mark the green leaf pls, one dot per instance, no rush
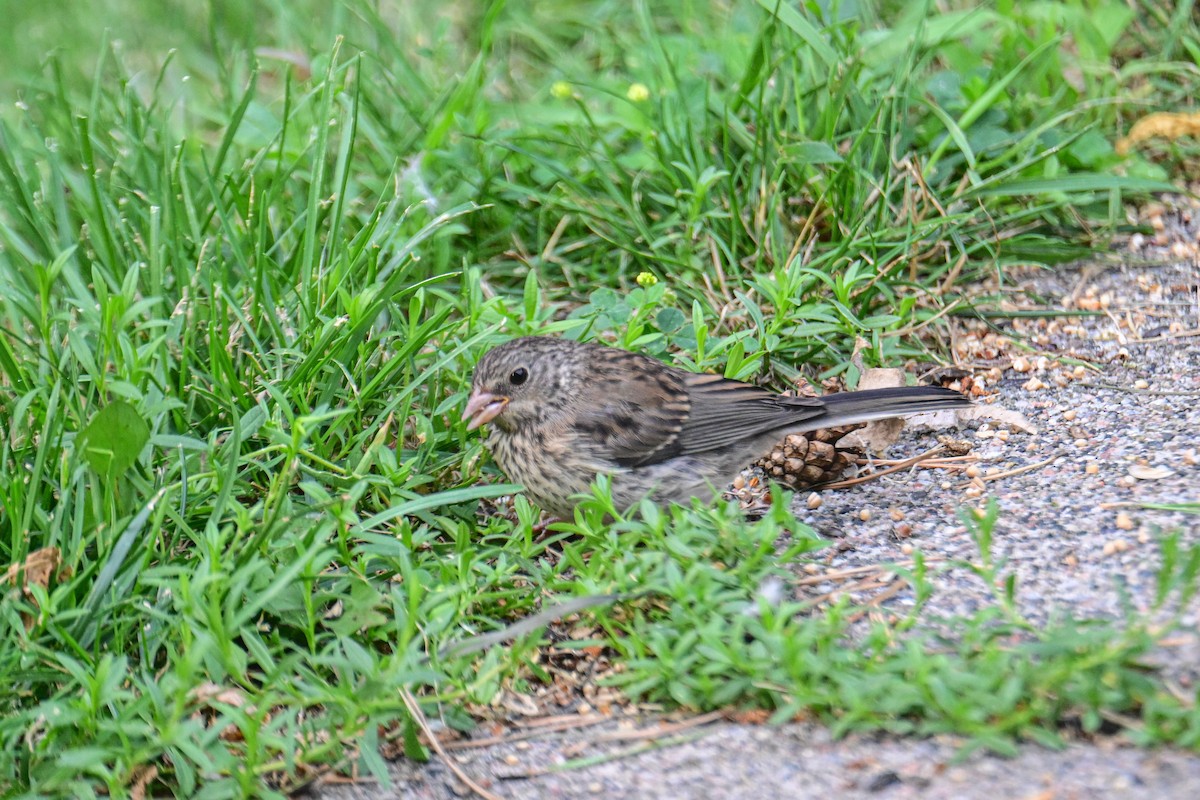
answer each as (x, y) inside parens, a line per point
(113, 439)
(799, 25)
(604, 298)
(1077, 182)
(812, 153)
(412, 741)
(669, 320)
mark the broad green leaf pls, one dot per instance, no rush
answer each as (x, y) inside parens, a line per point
(113, 439)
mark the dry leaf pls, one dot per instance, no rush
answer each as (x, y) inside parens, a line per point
(1145, 473)
(1164, 124)
(230, 696)
(208, 693)
(38, 567)
(877, 436)
(517, 703)
(874, 437)
(140, 780)
(881, 378)
(36, 570)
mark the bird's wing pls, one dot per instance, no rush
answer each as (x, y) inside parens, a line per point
(725, 412)
(641, 412)
(636, 408)
(644, 413)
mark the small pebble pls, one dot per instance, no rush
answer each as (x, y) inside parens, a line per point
(814, 501)
(1070, 414)
(1124, 521)
(1092, 468)
(1115, 546)
(1141, 383)
(865, 515)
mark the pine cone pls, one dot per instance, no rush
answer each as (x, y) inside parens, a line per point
(805, 459)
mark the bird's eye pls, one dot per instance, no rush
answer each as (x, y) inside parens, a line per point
(518, 376)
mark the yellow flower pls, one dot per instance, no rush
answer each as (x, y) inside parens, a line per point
(561, 90)
(638, 92)
(646, 279)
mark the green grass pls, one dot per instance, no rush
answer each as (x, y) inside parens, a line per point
(240, 298)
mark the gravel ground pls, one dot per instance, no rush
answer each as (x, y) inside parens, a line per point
(1139, 415)
(798, 761)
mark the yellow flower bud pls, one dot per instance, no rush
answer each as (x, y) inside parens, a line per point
(638, 93)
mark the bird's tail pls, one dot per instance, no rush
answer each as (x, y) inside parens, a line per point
(851, 408)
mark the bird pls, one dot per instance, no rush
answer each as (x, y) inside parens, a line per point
(562, 412)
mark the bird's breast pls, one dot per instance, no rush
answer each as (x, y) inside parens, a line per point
(548, 466)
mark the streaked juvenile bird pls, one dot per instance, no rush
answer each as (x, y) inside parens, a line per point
(563, 412)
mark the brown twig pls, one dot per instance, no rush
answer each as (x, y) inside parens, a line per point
(850, 572)
(1166, 337)
(661, 730)
(1008, 473)
(901, 465)
(878, 600)
(862, 586)
(949, 462)
(536, 728)
(414, 708)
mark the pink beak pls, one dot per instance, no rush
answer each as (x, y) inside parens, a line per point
(482, 408)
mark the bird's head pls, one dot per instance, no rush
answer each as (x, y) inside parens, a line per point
(523, 382)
